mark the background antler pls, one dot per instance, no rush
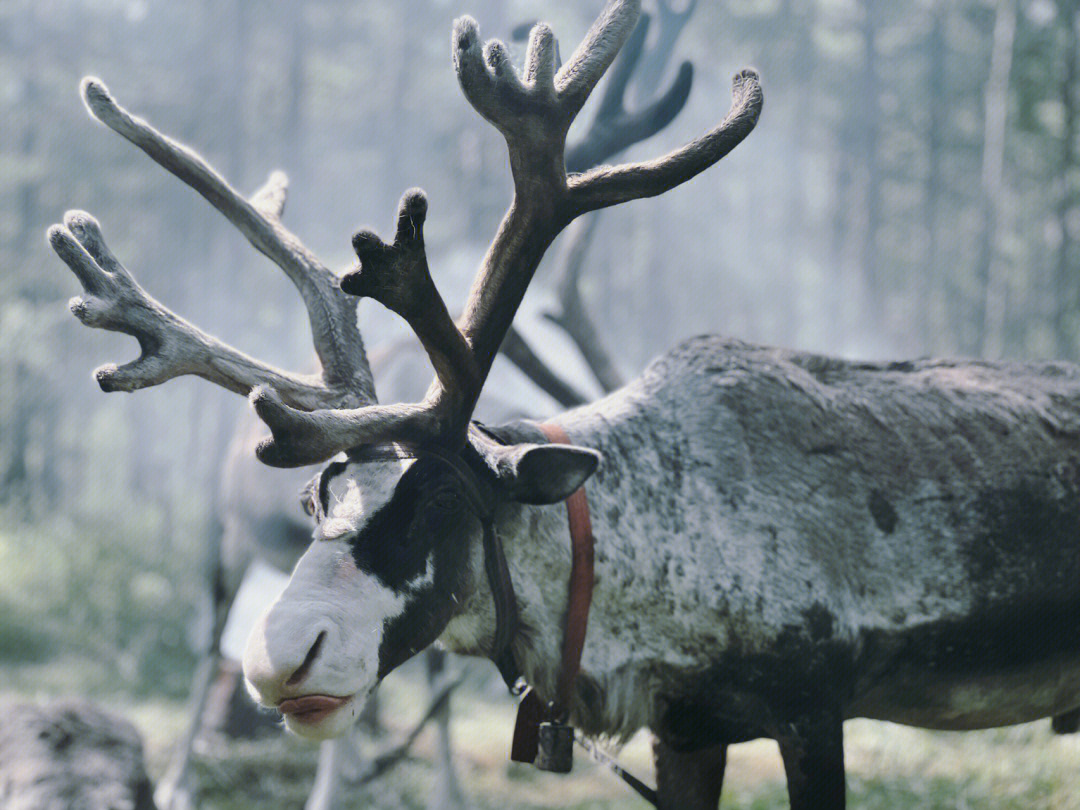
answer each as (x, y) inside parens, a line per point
(171, 346)
(533, 111)
(614, 129)
(611, 130)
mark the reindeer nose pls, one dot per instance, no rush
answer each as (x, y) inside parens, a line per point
(280, 654)
(305, 667)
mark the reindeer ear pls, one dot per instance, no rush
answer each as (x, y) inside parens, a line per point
(540, 473)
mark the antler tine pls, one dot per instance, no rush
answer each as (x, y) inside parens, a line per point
(597, 51)
(670, 24)
(611, 102)
(299, 438)
(613, 129)
(332, 315)
(270, 199)
(397, 276)
(606, 185)
(170, 345)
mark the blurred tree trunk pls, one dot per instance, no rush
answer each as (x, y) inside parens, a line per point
(1064, 290)
(990, 304)
(799, 16)
(870, 109)
(13, 476)
(933, 312)
(841, 285)
(294, 149)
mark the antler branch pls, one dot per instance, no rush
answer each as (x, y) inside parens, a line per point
(613, 129)
(577, 78)
(670, 24)
(606, 186)
(572, 316)
(397, 276)
(533, 110)
(332, 315)
(518, 351)
(534, 117)
(171, 346)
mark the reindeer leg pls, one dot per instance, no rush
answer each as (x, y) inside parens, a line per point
(447, 794)
(813, 752)
(174, 791)
(689, 781)
(1066, 722)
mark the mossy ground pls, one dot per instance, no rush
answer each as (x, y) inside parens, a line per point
(81, 616)
(1020, 768)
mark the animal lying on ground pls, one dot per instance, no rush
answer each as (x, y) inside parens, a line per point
(783, 540)
(70, 755)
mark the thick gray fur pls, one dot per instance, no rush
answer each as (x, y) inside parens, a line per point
(785, 541)
(745, 487)
(70, 755)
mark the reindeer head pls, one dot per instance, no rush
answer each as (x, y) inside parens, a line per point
(397, 554)
(401, 519)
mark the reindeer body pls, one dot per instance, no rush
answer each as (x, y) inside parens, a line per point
(778, 531)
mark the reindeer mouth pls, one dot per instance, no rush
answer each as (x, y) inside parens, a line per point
(312, 709)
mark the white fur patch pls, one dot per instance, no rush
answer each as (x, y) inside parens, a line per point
(328, 595)
(357, 492)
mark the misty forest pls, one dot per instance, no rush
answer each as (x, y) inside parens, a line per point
(912, 189)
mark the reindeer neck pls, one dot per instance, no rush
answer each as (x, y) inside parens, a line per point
(537, 547)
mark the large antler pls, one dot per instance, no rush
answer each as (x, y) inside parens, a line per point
(533, 111)
(614, 128)
(611, 130)
(170, 345)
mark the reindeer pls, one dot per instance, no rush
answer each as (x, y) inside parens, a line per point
(70, 755)
(783, 540)
(258, 514)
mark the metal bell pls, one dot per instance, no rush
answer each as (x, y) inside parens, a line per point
(556, 747)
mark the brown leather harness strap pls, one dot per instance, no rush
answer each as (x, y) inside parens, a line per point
(531, 710)
(581, 586)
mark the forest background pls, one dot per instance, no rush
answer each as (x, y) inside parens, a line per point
(913, 188)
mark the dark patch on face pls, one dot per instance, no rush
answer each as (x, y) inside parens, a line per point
(427, 611)
(882, 512)
(427, 517)
(396, 541)
(333, 469)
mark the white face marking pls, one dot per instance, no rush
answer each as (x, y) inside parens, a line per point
(327, 594)
(358, 492)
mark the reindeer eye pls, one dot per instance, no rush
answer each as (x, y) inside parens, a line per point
(308, 505)
(445, 499)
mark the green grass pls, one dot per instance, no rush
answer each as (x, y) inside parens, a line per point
(889, 767)
(89, 607)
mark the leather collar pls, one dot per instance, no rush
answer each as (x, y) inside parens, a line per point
(581, 587)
